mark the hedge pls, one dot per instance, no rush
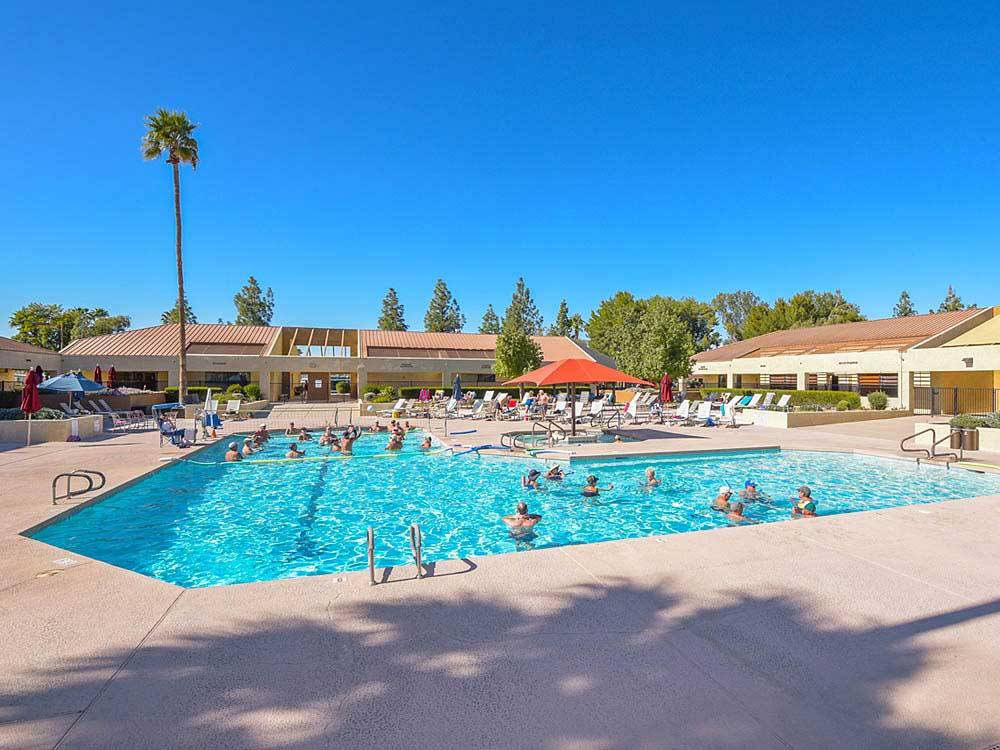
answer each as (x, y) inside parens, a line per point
(45, 413)
(803, 398)
(10, 399)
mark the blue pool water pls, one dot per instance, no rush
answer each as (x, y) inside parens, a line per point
(205, 525)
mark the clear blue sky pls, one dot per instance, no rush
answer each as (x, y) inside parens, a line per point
(677, 149)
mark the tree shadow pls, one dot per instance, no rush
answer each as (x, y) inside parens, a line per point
(609, 666)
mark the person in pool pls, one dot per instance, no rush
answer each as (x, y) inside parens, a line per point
(376, 427)
(555, 474)
(395, 442)
(735, 514)
(260, 436)
(248, 449)
(530, 482)
(294, 452)
(290, 430)
(751, 494)
(721, 501)
(327, 437)
(592, 490)
(335, 446)
(233, 454)
(522, 522)
(407, 426)
(805, 505)
(304, 434)
(426, 445)
(651, 480)
(347, 443)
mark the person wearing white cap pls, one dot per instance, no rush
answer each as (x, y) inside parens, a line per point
(248, 447)
(233, 454)
(721, 501)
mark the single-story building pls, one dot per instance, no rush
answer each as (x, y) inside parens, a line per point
(16, 358)
(941, 363)
(299, 362)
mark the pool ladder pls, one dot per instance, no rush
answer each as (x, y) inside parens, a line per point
(85, 474)
(416, 548)
(925, 454)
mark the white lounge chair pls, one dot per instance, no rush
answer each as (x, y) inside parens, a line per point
(488, 396)
(754, 400)
(704, 413)
(783, 402)
(681, 413)
(233, 407)
(766, 403)
(473, 411)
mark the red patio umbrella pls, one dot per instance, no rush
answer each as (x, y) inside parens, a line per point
(666, 389)
(112, 377)
(573, 372)
(97, 375)
(30, 401)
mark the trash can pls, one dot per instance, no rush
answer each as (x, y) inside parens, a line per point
(971, 439)
(956, 438)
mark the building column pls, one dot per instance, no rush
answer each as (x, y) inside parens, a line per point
(173, 377)
(264, 381)
(362, 379)
(447, 379)
(800, 381)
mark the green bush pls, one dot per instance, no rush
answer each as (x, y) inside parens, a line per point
(44, 413)
(371, 388)
(252, 392)
(194, 390)
(802, 399)
(842, 405)
(878, 400)
(969, 421)
(235, 388)
(343, 386)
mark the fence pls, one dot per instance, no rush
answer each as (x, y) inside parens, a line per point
(951, 401)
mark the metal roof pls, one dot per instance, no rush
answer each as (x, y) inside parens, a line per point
(553, 347)
(160, 341)
(10, 345)
(888, 333)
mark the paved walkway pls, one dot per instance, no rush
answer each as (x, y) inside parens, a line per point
(868, 630)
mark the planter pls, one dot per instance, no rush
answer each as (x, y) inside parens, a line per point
(50, 430)
(792, 419)
(989, 439)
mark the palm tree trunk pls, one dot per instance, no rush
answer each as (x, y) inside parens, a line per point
(182, 366)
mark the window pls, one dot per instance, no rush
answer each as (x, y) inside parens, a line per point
(888, 383)
(145, 381)
(784, 382)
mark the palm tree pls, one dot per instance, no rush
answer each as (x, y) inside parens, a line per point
(170, 133)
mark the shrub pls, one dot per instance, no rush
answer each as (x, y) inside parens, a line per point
(842, 405)
(252, 392)
(235, 388)
(44, 413)
(802, 399)
(371, 388)
(878, 400)
(993, 420)
(969, 421)
(343, 386)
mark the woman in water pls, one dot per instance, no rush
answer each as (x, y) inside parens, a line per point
(555, 474)
(327, 437)
(651, 480)
(294, 452)
(290, 430)
(592, 490)
(805, 505)
(721, 501)
(426, 445)
(248, 447)
(233, 454)
(530, 482)
(304, 434)
(522, 522)
(395, 442)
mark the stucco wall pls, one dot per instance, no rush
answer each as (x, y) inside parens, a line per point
(791, 419)
(50, 430)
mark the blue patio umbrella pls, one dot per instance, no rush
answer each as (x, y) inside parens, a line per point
(456, 389)
(70, 382)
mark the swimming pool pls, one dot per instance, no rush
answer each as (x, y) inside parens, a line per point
(206, 524)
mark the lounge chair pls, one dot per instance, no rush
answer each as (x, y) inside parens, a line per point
(70, 412)
(233, 408)
(729, 410)
(783, 402)
(488, 396)
(766, 403)
(596, 410)
(703, 416)
(681, 413)
(752, 403)
(473, 411)
(450, 409)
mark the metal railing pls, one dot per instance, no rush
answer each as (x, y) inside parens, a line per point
(932, 453)
(85, 474)
(416, 547)
(951, 401)
(371, 555)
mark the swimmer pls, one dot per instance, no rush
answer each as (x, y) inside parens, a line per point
(426, 445)
(750, 493)
(721, 501)
(521, 522)
(651, 480)
(395, 443)
(294, 452)
(248, 447)
(805, 505)
(347, 444)
(735, 514)
(327, 437)
(304, 434)
(335, 446)
(375, 427)
(233, 454)
(555, 474)
(290, 430)
(407, 426)
(592, 490)
(531, 481)
(260, 436)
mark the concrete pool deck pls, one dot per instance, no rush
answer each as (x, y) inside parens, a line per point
(865, 630)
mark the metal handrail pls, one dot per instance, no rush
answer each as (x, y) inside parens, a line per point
(950, 454)
(914, 436)
(416, 547)
(371, 554)
(104, 479)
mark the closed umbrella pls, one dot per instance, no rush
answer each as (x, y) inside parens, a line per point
(30, 402)
(112, 377)
(97, 375)
(666, 389)
(456, 389)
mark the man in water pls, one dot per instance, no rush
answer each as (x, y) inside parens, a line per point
(651, 480)
(294, 452)
(304, 434)
(426, 445)
(248, 447)
(290, 430)
(805, 505)
(750, 493)
(592, 490)
(327, 437)
(395, 442)
(522, 522)
(530, 482)
(735, 514)
(721, 501)
(347, 443)
(233, 454)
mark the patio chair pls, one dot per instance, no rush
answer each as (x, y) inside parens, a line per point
(233, 408)
(752, 403)
(766, 403)
(729, 410)
(488, 396)
(703, 416)
(783, 402)
(72, 412)
(473, 411)
(597, 410)
(681, 413)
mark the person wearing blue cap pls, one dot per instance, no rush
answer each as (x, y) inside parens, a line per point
(749, 491)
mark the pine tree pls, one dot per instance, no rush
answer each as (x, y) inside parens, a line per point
(253, 307)
(490, 322)
(562, 325)
(529, 318)
(391, 318)
(952, 302)
(172, 316)
(904, 308)
(443, 314)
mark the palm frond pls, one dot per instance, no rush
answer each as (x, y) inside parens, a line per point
(170, 132)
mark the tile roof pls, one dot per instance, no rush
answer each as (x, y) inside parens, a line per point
(894, 333)
(553, 347)
(10, 345)
(159, 341)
